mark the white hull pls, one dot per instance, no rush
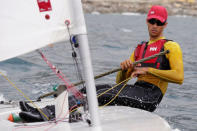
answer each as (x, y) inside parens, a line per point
(116, 118)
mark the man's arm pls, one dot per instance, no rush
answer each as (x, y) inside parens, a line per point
(127, 68)
(176, 73)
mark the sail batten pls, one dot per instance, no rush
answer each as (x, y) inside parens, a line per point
(27, 25)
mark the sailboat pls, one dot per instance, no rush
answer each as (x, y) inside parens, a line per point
(27, 25)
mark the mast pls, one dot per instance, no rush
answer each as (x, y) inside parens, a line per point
(82, 40)
(89, 79)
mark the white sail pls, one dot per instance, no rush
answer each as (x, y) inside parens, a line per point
(27, 25)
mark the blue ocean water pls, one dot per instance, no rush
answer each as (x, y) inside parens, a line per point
(112, 37)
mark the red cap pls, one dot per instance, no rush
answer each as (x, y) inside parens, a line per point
(158, 12)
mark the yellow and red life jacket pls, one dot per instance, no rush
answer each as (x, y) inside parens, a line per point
(144, 50)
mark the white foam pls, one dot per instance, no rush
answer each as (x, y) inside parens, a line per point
(130, 13)
(2, 97)
(3, 72)
(182, 16)
(126, 30)
(95, 13)
(176, 130)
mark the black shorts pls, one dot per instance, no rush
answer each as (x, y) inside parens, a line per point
(141, 95)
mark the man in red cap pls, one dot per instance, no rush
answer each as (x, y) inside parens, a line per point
(153, 75)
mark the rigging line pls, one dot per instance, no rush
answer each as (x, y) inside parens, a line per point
(58, 117)
(62, 77)
(78, 70)
(55, 121)
(74, 55)
(116, 94)
(125, 81)
(24, 95)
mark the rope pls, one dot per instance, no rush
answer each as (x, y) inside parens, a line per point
(126, 80)
(125, 83)
(117, 93)
(23, 95)
(62, 77)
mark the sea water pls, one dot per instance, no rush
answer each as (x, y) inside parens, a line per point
(112, 38)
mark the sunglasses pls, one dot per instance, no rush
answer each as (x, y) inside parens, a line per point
(155, 21)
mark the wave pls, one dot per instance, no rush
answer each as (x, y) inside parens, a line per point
(95, 13)
(17, 64)
(176, 129)
(16, 61)
(126, 30)
(2, 97)
(182, 16)
(3, 72)
(131, 13)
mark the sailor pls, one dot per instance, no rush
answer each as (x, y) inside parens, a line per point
(153, 75)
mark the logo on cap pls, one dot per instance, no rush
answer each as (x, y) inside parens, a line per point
(152, 12)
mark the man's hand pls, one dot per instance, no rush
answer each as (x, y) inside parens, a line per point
(125, 65)
(139, 71)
